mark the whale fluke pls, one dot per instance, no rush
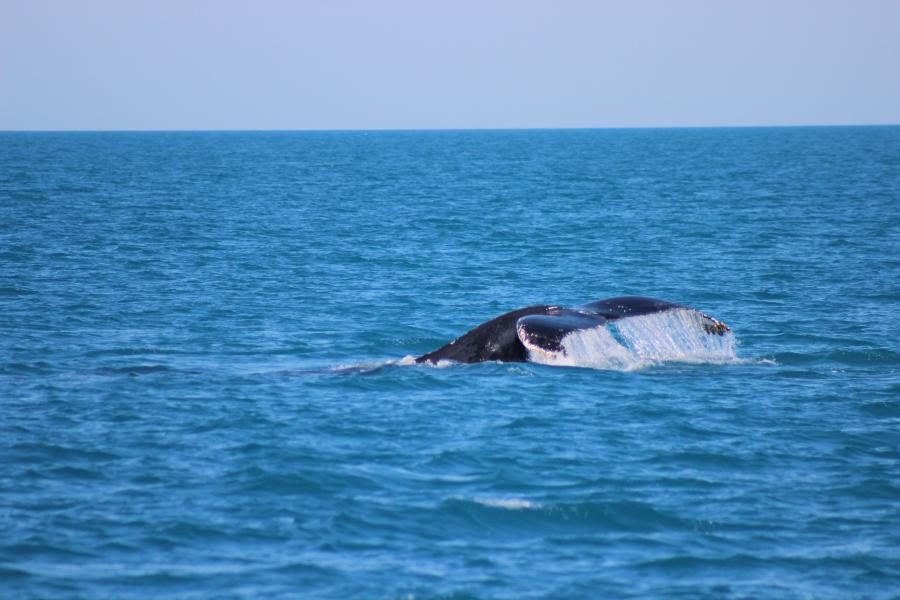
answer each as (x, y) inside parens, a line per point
(511, 337)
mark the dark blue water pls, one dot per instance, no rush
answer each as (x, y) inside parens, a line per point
(199, 399)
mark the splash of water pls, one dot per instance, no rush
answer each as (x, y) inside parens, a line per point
(679, 335)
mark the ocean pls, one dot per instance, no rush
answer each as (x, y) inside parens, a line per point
(206, 388)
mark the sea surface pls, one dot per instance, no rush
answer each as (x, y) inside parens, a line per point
(205, 388)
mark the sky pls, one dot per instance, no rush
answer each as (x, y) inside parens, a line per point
(417, 64)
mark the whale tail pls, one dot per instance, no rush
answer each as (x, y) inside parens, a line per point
(674, 333)
(627, 329)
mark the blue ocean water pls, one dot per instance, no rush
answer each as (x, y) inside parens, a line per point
(202, 393)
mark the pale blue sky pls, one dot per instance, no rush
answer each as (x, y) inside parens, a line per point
(333, 64)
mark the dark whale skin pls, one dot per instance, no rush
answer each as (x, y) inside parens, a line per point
(545, 326)
(494, 340)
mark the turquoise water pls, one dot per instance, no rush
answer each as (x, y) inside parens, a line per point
(203, 393)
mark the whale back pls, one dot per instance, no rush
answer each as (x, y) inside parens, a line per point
(493, 340)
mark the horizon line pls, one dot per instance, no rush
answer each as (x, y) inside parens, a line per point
(448, 129)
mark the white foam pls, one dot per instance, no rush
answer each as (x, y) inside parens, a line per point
(510, 503)
(363, 367)
(634, 342)
(410, 360)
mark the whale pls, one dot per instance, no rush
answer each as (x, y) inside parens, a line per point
(519, 335)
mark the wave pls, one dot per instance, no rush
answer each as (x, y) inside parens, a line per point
(507, 503)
